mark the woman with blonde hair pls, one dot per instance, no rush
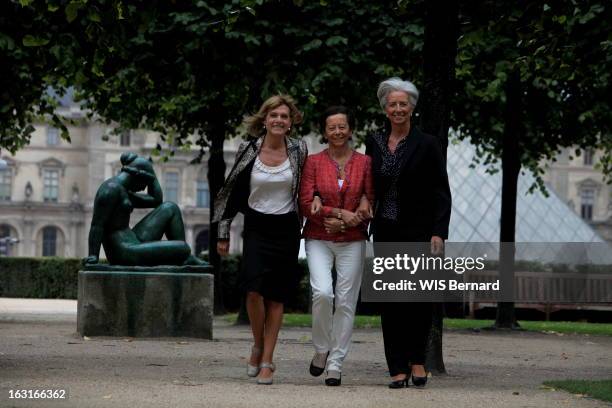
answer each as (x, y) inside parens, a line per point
(263, 185)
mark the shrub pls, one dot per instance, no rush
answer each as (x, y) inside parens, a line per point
(51, 278)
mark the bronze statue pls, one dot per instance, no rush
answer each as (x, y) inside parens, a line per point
(115, 200)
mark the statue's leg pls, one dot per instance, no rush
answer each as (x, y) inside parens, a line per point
(159, 253)
(123, 248)
(165, 219)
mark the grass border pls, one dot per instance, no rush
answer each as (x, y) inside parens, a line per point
(366, 322)
(599, 389)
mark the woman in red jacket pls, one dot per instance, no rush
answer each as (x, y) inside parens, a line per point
(335, 185)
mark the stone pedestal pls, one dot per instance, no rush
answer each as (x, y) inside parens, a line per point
(145, 302)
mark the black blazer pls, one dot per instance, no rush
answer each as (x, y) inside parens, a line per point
(423, 191)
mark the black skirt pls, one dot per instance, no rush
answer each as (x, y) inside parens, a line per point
(271, 244)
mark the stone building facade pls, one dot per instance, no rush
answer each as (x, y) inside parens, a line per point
(47, 190)
(576, 179)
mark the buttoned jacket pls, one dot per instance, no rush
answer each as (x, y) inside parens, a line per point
(233, 196)
(321, 176)
(423, 193)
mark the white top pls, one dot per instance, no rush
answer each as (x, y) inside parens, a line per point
(340, 184)
(271, 188)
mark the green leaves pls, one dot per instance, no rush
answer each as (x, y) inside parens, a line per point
(316, 43)
(72, 9)
(32, 41)
(335, 40)
(6, 42)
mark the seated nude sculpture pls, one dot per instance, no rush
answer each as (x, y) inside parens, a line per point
(142, 245)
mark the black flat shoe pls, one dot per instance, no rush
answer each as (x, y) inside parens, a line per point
(419, 382)
(317, 371)
(399, 384)
(333, 381)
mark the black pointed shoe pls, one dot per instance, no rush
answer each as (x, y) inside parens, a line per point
(419, 382)
(334, 378)
(399, 384)
(316, 371)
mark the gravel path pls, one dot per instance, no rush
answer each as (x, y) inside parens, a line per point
(485, 369)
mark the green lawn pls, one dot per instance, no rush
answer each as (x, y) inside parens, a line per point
(304, 320)
(597, 389)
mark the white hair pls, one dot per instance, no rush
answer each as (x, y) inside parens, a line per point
(396, 84)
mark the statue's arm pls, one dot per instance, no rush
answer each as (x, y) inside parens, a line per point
(152, 199)
(104, 205)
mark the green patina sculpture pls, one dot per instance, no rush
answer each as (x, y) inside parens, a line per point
(142, 245)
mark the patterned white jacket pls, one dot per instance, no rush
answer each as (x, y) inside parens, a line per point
(228, 201)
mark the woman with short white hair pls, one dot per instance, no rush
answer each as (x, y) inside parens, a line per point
(413, 204)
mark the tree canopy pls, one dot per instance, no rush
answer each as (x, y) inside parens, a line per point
(556, 57)
(173, 67)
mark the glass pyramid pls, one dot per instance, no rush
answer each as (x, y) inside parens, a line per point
(477, 206)
(547, 230)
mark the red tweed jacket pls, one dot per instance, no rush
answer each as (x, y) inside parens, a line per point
(320, 175)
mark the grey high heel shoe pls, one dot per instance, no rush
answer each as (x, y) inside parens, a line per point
(266, 381)
(252, 370)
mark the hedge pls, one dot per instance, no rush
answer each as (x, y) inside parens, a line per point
(48, 277)
(57, 278)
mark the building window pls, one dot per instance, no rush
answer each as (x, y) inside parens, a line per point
(202, 194)
(171, 186)
(587, 200)
(5, 185)
(50, 185)
(124, 138)
(201, 243)
(588, 157)
(53, 136)
(49, 241)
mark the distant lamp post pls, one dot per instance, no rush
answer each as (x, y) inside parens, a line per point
(5, 242)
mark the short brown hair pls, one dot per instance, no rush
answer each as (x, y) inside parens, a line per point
(254, 123)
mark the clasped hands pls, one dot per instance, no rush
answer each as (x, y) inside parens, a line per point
(334, 225)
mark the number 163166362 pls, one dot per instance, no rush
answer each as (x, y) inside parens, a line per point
(29, 393)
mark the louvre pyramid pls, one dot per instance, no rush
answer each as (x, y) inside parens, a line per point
(477, 206)
(547, 230)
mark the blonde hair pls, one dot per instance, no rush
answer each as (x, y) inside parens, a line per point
(255, 123)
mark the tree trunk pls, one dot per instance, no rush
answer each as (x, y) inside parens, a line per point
(511, 167)
(440, 51)
(216, 178)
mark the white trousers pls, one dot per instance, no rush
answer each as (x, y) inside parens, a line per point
(332, 329)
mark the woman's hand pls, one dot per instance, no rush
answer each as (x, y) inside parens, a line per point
(350, 218)
(223, 247)
(333, 225)
(365, 208)
(316, 205)
(437, 245)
